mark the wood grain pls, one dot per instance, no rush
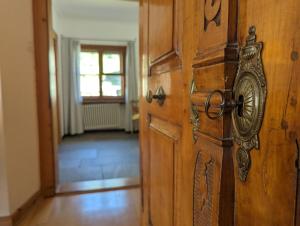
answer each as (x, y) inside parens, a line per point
(119, 208)
(144, 117)
(161, 28)
(212, 32)
(294, 109)
(46, 127)
(97, 186)
(206, 47)
(271, 185)
(160, 126)
(162, 189)
(214, 44)
(5, 221)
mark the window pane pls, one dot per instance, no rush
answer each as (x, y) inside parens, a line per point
(89, 85)
(111, 63)
(89, 63)
(112, 85)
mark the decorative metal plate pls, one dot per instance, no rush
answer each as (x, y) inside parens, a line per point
(250, 90)
(195, 120)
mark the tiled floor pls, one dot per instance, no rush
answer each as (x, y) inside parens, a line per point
(96, 156)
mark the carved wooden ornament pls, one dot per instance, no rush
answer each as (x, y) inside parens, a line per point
(212, 13)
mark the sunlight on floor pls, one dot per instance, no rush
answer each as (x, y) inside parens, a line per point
(114, 208)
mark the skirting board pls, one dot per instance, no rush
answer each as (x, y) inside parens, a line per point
(18, 215)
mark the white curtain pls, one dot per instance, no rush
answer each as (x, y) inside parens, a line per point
(131, 85)
(72, 100)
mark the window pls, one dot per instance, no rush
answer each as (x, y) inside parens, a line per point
(102, 73)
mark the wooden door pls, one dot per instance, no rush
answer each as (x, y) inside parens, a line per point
(161, 123)
(227, 68)
(270, 189)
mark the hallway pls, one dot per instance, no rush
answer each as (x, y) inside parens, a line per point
(114, 208)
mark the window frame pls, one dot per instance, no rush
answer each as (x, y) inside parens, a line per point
(102, 49)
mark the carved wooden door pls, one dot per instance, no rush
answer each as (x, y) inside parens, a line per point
(161, 108)
(219, 112)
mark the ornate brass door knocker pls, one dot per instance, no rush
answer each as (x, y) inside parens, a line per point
(247, 103)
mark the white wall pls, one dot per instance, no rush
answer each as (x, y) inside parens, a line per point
(93, 31)
(87, 29)
(19, 106)
(109, 20)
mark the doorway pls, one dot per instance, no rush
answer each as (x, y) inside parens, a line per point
(94, 95)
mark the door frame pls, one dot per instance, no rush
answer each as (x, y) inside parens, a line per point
(41, 21)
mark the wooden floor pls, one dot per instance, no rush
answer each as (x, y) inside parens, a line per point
(113, 208)
(98, 185)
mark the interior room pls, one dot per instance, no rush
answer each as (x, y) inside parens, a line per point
(149, 113)
(96, 83)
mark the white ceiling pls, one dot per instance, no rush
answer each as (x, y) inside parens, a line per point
(109, 10)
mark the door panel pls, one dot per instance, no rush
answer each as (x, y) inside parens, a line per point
(171, 82)
(161, 15)
(160, 122)
(214, 23)
(210, 77)
(162, 173)
(161, 180)
(207, 185)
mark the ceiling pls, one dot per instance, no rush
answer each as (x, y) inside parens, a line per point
(109, 10)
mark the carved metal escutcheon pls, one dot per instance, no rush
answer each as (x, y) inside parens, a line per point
(244, 162)
(247, 104)
(195, 120)
(249, 89)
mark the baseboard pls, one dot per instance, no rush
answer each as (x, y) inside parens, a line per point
(19, 214)
(48, 192)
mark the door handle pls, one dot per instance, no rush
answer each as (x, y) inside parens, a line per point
(159, 96)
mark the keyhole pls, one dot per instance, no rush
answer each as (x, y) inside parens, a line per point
(240, 106)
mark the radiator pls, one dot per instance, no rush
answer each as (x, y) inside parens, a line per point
(102, 116)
